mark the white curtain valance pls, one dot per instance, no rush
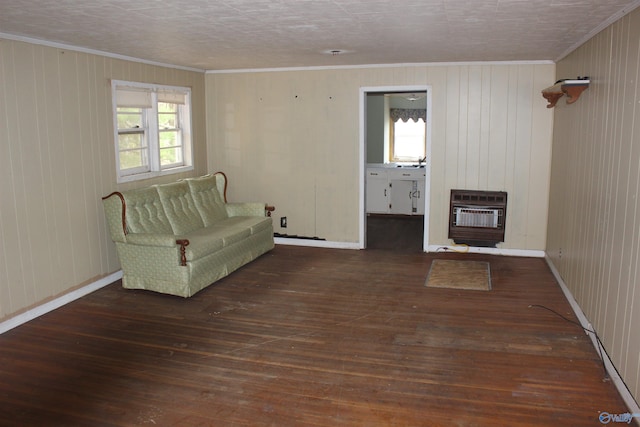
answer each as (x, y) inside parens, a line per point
(405, 114)
(133, 97)
(141, 97)
(172, 96)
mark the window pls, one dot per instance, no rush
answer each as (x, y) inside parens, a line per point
(408, 141)
(152, 130)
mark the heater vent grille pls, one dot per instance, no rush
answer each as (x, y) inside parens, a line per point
(477, 217)
(474, 217)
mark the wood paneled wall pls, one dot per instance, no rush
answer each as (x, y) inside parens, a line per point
(292, 138)
(594, 221)
(57, 160)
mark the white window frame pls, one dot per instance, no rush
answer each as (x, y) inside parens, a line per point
(152, 131)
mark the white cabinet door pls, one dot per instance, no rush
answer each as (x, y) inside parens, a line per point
(377, 194)
(401, 197)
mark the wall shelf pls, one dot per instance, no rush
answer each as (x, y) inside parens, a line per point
(571, 88)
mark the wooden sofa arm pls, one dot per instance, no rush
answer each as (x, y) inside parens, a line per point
(183, 249)
(223, 190)
(124, 209)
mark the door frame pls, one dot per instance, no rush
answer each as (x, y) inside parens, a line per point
(363, 156)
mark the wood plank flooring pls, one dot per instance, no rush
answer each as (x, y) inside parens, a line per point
(312, 337)
(403, 233)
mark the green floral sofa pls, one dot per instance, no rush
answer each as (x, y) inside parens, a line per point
(179, 238)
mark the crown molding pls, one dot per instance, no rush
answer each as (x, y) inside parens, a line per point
(409, 64)
(607, 22)
(94, 52)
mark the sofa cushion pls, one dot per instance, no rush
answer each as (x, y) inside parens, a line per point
(255, 223)
(144, 212)
(225, 233)
(207, 240)
(207, 199)
(202, 242)
(180, 208)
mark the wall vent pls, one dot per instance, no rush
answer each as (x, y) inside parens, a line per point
(477, 218)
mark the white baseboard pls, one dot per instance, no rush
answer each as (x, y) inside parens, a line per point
(315, 243)
(490, 251)
(58, 302)
(628, 398)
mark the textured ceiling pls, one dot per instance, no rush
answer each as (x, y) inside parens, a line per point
(241, 34)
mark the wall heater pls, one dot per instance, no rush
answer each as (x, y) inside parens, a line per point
(477, 218)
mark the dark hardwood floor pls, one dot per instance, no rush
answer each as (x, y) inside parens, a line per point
(400, 233)
(312, 337)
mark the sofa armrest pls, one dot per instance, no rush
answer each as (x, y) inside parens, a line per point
(152, 239)
(160, 240)
(248, 209)
(114, 209)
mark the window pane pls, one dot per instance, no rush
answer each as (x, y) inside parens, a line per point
(130, 141)
(129, 118)
(167, 107)
(167, 121)
(169, 139)
(133, 159)
(171, 156)
(409, 140)
(167, 115)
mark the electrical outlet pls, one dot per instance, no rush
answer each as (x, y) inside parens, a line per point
(283, 221)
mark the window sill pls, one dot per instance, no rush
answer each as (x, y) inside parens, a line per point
(155, 174)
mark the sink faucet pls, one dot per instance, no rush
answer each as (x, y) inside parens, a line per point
(422, 160)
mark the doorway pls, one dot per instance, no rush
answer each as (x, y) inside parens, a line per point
(374, 151)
